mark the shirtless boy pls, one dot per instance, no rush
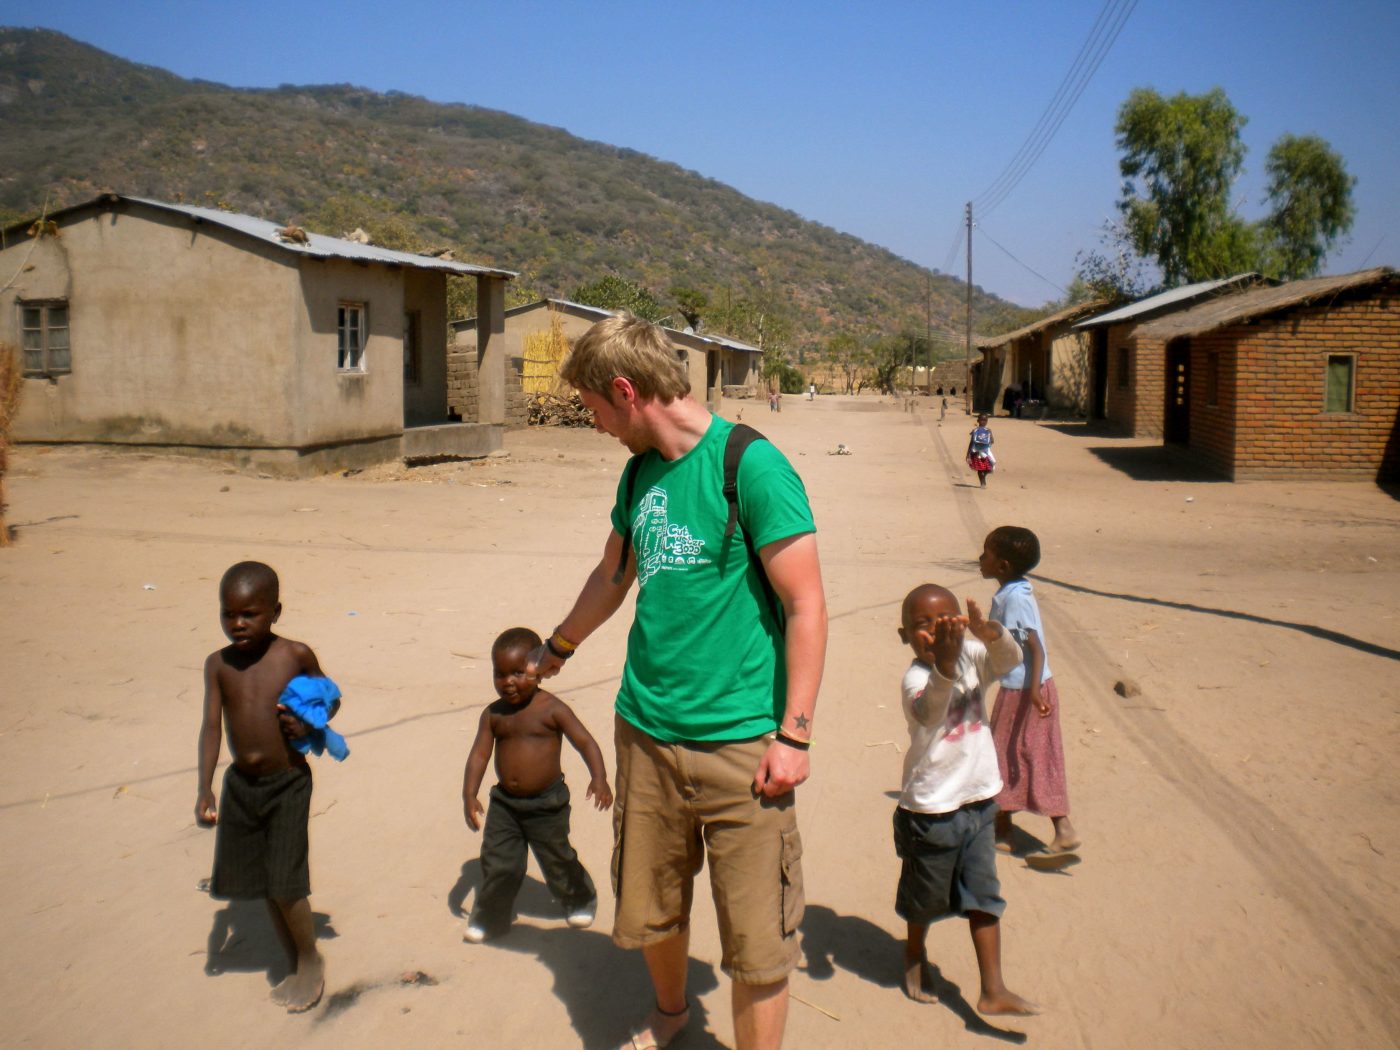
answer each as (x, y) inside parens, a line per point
(530, 802)
(260, 847)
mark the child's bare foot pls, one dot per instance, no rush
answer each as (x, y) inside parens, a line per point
(1066, 840)
(1003, 831)
(303, 989)
(1006, 1002)
(918, 982)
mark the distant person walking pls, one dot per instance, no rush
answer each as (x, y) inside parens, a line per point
(979, 450)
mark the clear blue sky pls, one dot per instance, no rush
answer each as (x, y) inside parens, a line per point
(879, 120)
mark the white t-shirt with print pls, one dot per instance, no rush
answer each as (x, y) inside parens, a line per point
(951, 759)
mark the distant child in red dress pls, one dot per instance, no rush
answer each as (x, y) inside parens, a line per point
(1026, 718)
(979, 450)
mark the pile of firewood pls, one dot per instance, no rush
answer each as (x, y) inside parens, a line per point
(552, 410)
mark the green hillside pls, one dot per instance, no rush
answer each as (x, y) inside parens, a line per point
(416, 174)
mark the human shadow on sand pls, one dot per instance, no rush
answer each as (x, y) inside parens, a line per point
(830, 940)
(604, 988)
(1326, 634)
(243, 939)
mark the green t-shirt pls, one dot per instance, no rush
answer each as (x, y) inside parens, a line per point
(704, 656)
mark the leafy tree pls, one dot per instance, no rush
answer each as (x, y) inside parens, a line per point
(1180, 157)
(1310, 194)
(617, 293)
(849, 358)
(691, 303)
(1113, 271)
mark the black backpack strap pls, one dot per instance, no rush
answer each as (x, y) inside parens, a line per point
(629, 490)
(740, 438)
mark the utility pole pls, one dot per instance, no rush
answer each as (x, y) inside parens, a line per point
(967, 388)
(928, 329)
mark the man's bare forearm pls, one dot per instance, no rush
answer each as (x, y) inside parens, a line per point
(805, 652)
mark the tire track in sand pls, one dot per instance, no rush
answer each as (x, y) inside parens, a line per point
(1362, 943)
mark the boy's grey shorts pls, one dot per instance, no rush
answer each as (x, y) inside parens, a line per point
(950, 865)
(260, 841)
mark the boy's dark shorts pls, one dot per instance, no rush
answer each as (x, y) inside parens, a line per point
(950, 865)
(260, 845)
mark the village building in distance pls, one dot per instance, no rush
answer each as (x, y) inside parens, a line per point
(163, 325)
(1250, 378)
(538, 333)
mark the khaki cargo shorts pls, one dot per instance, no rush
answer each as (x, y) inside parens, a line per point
(678, 803)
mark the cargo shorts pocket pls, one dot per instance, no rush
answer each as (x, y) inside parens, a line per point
(794, 895)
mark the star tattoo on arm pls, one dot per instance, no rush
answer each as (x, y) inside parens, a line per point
(801, 722)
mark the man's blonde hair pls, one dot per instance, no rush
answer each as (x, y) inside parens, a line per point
(628, 347)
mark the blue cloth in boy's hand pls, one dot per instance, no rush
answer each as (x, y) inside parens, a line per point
(312, 700)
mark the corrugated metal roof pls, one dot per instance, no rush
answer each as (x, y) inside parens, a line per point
(1259, 301)
(1069, 313)
(1166, 300)
(728, 344)
(601, 312)
(318, 245)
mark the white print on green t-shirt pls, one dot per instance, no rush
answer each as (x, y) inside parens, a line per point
(662, 546)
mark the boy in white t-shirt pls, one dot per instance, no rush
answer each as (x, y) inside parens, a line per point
(943, 826)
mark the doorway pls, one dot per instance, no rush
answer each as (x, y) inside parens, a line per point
(1177, 425)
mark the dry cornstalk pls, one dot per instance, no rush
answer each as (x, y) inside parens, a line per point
(11, 382)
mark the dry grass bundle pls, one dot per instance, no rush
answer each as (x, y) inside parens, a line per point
(539, 370)
(11, 379)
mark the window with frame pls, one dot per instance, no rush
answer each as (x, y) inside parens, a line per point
(350, 337)
(1340, 395)
(44, 337)
(1213, 378)
(1122, 368)
(412, 348)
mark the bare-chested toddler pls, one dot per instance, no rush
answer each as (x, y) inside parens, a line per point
(260, 846)
(530, 801)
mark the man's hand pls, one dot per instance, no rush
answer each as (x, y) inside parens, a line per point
(292, 726)
(781, 770)
(471, 808)
(205, 813)
(600, 793)
(542, 663)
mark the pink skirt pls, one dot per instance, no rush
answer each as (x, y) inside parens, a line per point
(1030, 754)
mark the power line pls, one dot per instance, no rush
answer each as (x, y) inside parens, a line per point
(1109, 24)
(954, 252)
(984, 233)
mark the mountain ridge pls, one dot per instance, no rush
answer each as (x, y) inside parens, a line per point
(499, 189)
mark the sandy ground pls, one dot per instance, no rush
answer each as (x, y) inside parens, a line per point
(1239, 881)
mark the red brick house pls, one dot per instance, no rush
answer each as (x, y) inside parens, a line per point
(1127, 369)
(1300, 380)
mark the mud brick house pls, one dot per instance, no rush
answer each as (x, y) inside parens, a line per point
(167, 326)
(717, 366)
(1048, 358)
(1128, 387)
(1301, 380)
(733, 369)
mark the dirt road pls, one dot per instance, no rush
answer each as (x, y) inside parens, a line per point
(1241, 814)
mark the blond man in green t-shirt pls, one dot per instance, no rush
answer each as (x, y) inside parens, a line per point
(714, 714)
